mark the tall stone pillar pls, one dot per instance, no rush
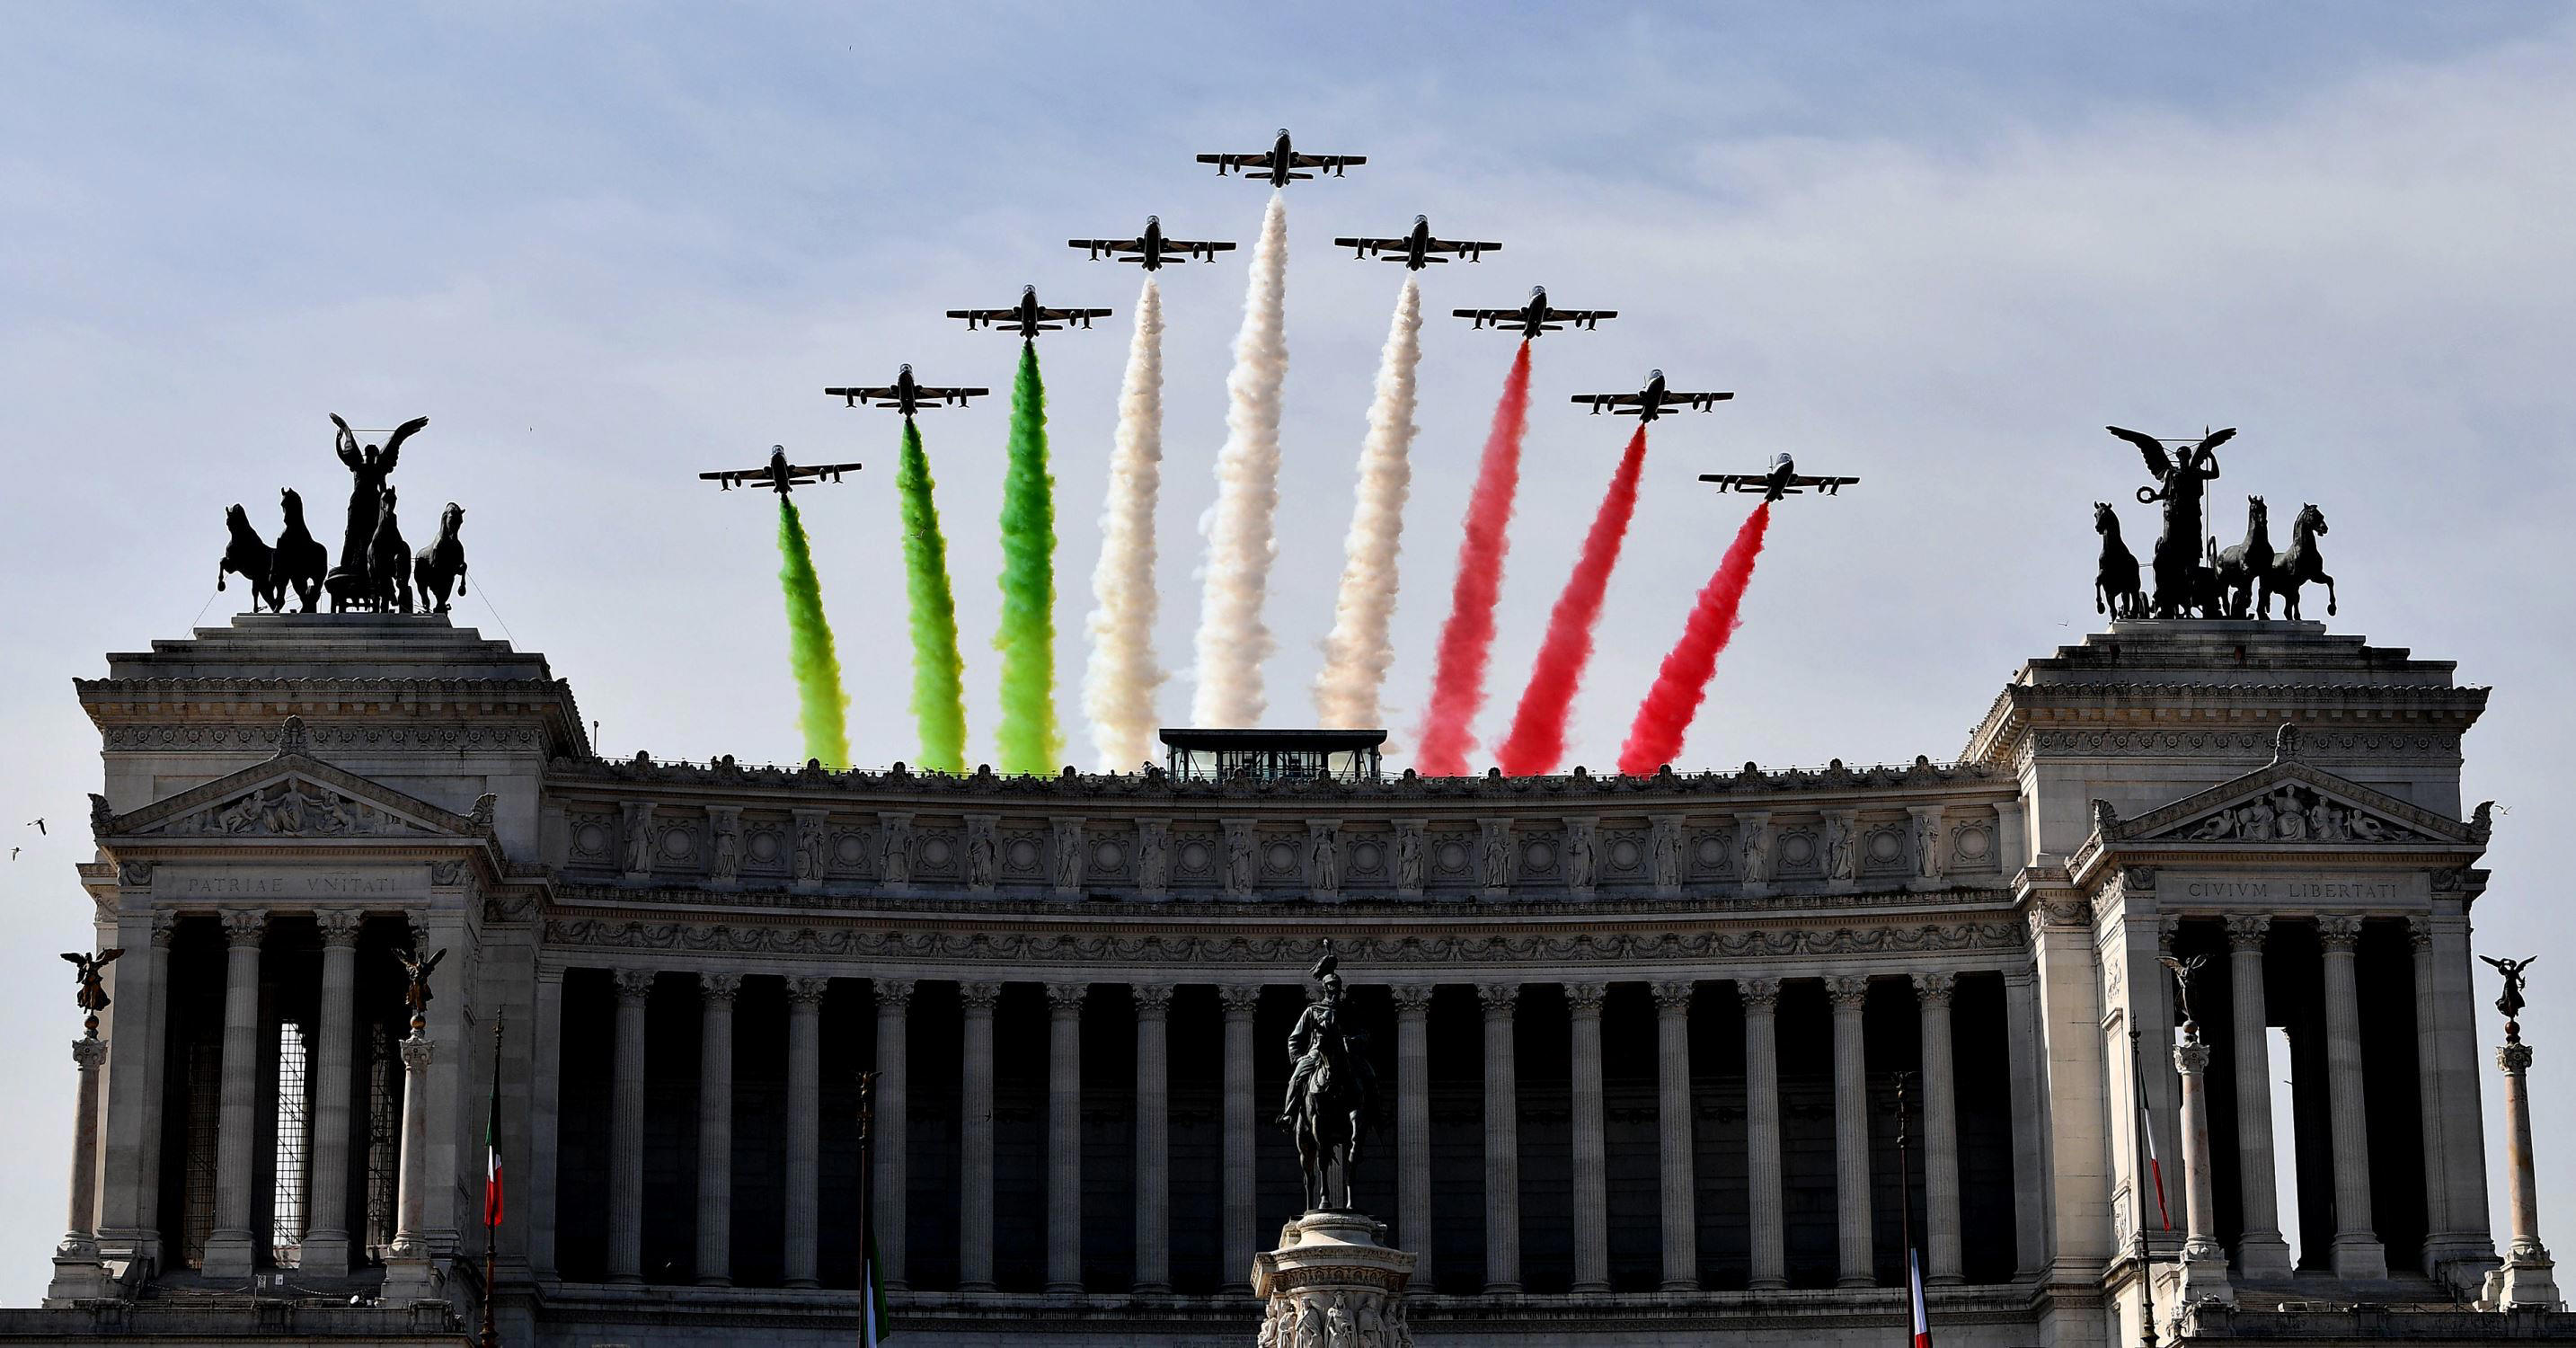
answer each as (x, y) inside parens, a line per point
(407, 1262)
(232, 1250)
(975, 1139)
(1940, 1131)
(1413, 1123)
(545, 1114)
(1674, 1138)
(715, 1128)
(1591, 1146)
(1064, 1137)
(626, 1131)
(326, 1242)
(2357, 1252)
(2204, 1261)
(804, 1128)
(1502, 1141)
(890, 1137)
(1239, 1003)
(2438, 1221)
(1153, 1138)
(2529, 1276)
(1763, 1210)
(78, 1274)
(2029, 1122)
(130, 1183)
(2261, 1252)
(1857, 1264)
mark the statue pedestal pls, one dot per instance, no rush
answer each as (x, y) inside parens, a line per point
(1332, 1281)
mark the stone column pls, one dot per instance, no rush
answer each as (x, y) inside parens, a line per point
(1761, 997)
(78, 1274)
(626, 1131)
(1413, 1123)
(1240, 1243)
(2261, 1252)
(1673, 1117)
(1591, 1147)
(407, 1262)
(2528, 1277)
(2428, 1097)
(2204, 1262)
(326, 1243)
(545, 1106)
(1502, 1141)
(804, 1127)
(232, 1250)
(1064, 1137)
(2029, 1123)
(130, 1177)
(885, 1200)
(1940, 1131)
(1153, 1138)
(715, 1128)
(1857, 1266)
(2357, 1252)
(975, 1139)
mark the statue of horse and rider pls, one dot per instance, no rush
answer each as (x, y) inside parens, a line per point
(377, 570)
(1332, 1097)
(2193, 576)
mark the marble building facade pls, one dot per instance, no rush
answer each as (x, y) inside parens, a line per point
(1639, 1035)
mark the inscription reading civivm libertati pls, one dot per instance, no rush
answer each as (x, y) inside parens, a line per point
(2308, 891)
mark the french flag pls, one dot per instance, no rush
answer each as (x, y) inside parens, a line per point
(1914, 1300)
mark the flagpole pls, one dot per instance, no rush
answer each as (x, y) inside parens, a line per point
(867, 1235)
(2141, 1144)
(491, 1333)
(1905, 1206)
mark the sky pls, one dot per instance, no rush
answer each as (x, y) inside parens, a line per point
(1936, 246)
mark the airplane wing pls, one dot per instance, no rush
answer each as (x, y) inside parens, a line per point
(1370, 245)
(1108, 245)
(1467, 248)
(819, 470)
(1737, 481)
(862, 395)
(1485, 316)
(1828, 485)
(1198, 245)
(1581, 318)
(1073, 315)
(1227, 161)
(1335, 162)
(1701, 401)
(736, 476)
(948, 394)
(1613, 401)
(984, 315)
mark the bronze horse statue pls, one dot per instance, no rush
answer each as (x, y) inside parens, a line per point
(388, 562)
(248, 556)
(301, 559)
(2245, 571)
(441, 565)
(1332, 1093)
(2302, 564)
(2116, 590)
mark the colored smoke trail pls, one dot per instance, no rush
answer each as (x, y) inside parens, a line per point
(938, 700)
(1118, 686)
(1536, 743)
(821, 707)
(1467, 638)
(1232, 640)
(1360, 648)
(1656, 735)
(1028, 740)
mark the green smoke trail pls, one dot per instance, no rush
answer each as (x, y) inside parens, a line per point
(938, 700)
(1028, 740)
(820, 704)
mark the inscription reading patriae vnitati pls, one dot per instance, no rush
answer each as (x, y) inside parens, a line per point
(2310, 891)
(280, 886)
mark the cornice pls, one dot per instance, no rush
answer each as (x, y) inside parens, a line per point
(2023, 708)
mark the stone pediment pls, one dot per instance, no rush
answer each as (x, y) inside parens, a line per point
(292, 795)
(2290, 802)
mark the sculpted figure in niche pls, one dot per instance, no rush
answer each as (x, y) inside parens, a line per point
(1310, 1327)
(980, 857)
(1838, 848)
(1498, 855)
(1238, 858)
(1578, 856)
(1668, 854)
(639, 841)
(1927, 847)
(898, 850)
(1153, 857)
(1324, 858)
(1408, 857)
(1068, 856)
(1753, 853)
(1339, 1332)
(725, 860)
(809, 849)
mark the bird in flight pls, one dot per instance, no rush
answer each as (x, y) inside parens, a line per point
(37, 823)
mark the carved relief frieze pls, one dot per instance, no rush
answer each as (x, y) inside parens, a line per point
(2293, 813)
(294, 808)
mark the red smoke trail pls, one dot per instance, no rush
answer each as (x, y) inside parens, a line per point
(1537, 741)
(1656, 735)
(1467, 639)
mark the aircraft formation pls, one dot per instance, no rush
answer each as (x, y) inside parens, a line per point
(1416, 249)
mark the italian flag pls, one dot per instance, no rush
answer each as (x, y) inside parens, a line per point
(2147, 1130)
(492, 1157)
(1922, 1319)
(872, 1300)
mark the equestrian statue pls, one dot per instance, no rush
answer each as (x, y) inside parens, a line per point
(1332, 1091)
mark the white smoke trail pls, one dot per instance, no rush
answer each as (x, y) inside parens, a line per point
(1360, 648)
(1232, 640)
(1118, 686)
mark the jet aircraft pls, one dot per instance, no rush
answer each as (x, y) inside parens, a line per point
(1417, 248)
(1152, 248)
(906, 396)
(1028, 318)
(1782, 480)
(780, 475)
(1536, 317)
(1651, 401)
(1279, 163)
